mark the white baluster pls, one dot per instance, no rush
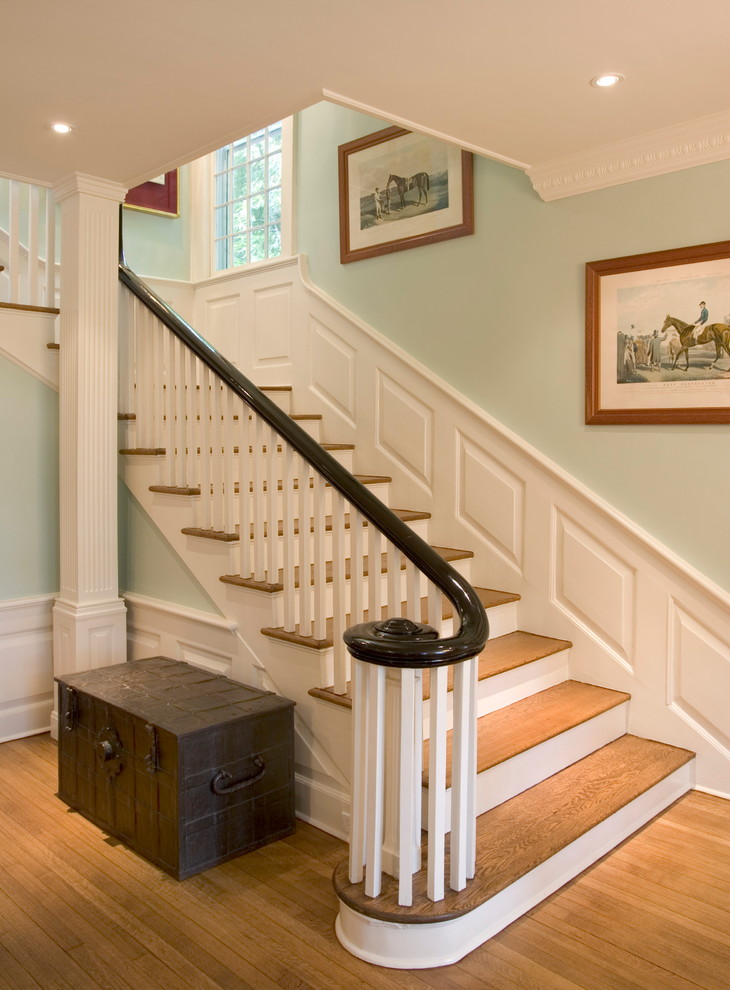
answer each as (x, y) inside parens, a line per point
(462, 784)
(409, 788)
(358, 809)
(14, 241)
(259, 503)
(339, 592)
(357, 579)
(437, 783)
(228, 459)
(33, 231)
(375, 542)
(375, 790)
(216, 464)
(413, 591)
(289, 540)
(206, 442)
(393, 558)
(51, 250)
(245, 475)
(272, 514)
(306, 548)
(192, 375)
(319, 577)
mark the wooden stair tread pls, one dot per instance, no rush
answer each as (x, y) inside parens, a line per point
(364, 479)
(28, 308)
(406, 515)
(522, 833)
(533, 648)
(516, 649)
(507, 732)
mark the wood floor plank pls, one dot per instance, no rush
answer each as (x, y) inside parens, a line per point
(269, 924)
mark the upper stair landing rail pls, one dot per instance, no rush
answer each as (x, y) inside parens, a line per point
(27, 241)
(304, 528)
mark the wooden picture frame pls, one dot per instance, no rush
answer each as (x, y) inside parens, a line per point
(156, 196)
(400, 190)
(645, 362)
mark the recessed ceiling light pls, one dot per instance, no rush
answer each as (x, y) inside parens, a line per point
(60, 128)
(607, 79)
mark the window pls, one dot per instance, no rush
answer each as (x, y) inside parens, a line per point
(249, 176)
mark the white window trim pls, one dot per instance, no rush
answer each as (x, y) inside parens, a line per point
(202, 261)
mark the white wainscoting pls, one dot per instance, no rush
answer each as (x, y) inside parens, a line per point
(163, 629)
(26, 666)
(641, 619)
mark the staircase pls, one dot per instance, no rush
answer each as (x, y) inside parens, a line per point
(520, 777)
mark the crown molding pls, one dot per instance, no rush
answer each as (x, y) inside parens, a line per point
(669, 149)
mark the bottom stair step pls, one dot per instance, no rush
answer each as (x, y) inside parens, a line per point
(527, 848)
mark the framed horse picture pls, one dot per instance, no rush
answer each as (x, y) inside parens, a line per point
(658, 337)
(399, 190)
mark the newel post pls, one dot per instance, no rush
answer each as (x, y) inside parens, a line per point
(387, 693)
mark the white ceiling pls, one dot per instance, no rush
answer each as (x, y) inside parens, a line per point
(149, 84)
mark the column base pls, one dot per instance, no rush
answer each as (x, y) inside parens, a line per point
(85, 637)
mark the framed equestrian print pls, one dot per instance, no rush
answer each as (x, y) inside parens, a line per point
(658, 337)
(159, 196)
(399, 190)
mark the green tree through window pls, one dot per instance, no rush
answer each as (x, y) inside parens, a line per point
(247, 199)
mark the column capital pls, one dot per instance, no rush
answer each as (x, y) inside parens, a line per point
(77, 183)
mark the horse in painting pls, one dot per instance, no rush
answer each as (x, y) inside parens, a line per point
(712, 333)
(419, 181)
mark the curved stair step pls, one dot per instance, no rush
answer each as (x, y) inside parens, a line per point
(527, 848)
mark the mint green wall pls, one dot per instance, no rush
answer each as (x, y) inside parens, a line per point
(500, 316)
(158, 245)
(29, 508)
(148, 565)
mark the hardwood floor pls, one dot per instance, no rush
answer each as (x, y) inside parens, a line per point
(78, 910)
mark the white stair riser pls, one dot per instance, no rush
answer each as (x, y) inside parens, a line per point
(424, 946)
(505, 780)
(511, 686)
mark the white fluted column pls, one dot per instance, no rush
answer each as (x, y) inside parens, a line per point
(89, 617)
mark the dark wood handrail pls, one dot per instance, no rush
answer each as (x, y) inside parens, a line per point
(397, 651)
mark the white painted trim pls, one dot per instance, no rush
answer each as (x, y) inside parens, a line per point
(667, 149)
(557, 474)
(180, 611)
(26, 666)
(346, 101)
(709, 790)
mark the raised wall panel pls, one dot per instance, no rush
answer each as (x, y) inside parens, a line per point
(26, 667)
(595, 587)
(698, 679)
(405, 429)
(220, 325)
(333, 368)
(272, 322)
(491, 500)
